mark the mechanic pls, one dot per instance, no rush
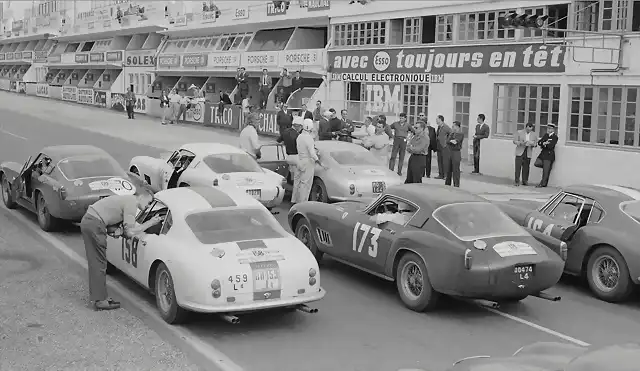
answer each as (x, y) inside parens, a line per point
(289, 137)
(102, 217)
(307, 159)
(419, 148)
(249, 141)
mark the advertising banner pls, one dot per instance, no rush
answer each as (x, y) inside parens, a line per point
(117, 102)
(268, 124)
(82, 58)
(96, 57)
(503, 58)
(22, 87)
(315, 5)
(169, 61)
(229, 117)
(70, 93)
(27, 55)
(195, 60)
(224, 60)
(100, 98)
(115, 56)
(40, 56)
(42, 90)
(145, 58)
(308, 57)
(277, 8)
(196, 112)
(141, 105)
(260, 59)
(85, 96)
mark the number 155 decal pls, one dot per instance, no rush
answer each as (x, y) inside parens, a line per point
(371, 233)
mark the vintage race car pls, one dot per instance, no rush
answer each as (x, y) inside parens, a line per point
(216, 252)
(601, 226)
(352, 172)
(211, 165)
(61, 182)
(432, 240)
(557, 357)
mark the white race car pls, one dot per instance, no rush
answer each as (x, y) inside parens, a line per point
(216, 252)
(211, 165)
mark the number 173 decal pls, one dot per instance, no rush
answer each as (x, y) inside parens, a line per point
(369, 232)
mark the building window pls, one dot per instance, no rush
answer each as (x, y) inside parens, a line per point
(462, 102)
(516, 105)
(412, 30)
(415, 100)
(360, 34)
(483, 26)
(444, 28)
(605, 115)
(603, 15)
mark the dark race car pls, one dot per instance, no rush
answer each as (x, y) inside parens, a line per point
(61, 182)
(558, 357)
(601, 226)
(432, 240)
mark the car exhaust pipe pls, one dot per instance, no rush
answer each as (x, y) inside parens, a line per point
(231, 319)
(545, 296)
(487, 303)
(306, 309)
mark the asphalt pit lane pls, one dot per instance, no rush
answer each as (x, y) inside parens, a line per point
(16, 263)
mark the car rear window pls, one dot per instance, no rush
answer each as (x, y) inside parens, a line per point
(475, 220)
(232, 163)
(632, 209)
(354, 158)
(220, 226)
(89, 166)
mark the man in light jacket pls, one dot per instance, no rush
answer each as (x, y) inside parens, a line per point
(525, 140)
(307, 159)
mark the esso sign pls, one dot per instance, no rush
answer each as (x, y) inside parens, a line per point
(141, 60)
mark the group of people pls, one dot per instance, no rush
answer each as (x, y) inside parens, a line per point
(175, 105)
(526, 140)
(289, 84)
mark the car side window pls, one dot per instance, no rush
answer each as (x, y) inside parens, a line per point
(271, 152)
(392, 210)
(596, 214)
(168, 223)
(159, 209)
(568, 209)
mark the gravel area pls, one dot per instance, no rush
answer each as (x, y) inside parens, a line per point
(46, 322)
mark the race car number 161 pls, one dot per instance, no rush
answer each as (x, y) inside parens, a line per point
(371, 233)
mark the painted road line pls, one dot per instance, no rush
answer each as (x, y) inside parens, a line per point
(203, 349)
(12, 134)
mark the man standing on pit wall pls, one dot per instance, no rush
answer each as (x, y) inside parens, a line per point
(401, 130)
(482, 132)
(418, 147)
(243, 85)
(286, 82)
(456, 137)
(264, 88)
(307, 159)
(442, 136)
(289, 137)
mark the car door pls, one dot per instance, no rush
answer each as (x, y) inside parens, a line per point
(557, 215)
(170, 167)
(579, 242)
(274, 159)
(19, 183)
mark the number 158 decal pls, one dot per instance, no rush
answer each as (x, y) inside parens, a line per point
(369, 231)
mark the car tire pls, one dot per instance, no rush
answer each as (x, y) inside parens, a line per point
(7, 199)
(166, 301)
(305, 235)
(318, 191)
(46, 221)
(419, 301)
(608, 261)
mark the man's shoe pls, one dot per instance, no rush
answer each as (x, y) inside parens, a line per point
(108, 304)
(525, 183)
(475, 172)
(516, 184)
(439, 177)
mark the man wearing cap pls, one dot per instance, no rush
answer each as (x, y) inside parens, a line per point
(249, 141)
(401, 130)
(307, 159)
(289, 137)
(548, 154)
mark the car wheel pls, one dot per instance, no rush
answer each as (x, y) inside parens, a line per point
(304, 234)
(608, 275)
(6, 193)
(166, 301)
(413, 284)
(318, 191)
(47, 222)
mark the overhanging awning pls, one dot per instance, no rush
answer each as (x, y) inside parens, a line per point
(111, 32)
(10, 40)
(86, 66)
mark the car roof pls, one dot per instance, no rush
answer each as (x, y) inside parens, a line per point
(432, 196)
(205, 149)
(183, 200)
(605, 192)
(65, 151)
(333, 145)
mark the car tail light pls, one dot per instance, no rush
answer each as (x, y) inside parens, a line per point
(215, 182)
(63, 193)
(312, 281)
(352, 189)
(312, 272)
(468, 259)
(564, 251)
(216, 287)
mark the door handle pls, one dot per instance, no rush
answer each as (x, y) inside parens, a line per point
(390, 230)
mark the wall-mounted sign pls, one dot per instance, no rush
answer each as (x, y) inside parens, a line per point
(85, 96)
(209, 17)
(309, 57)
(169, 61)
(82, 58)
(40, 56)
(225, 60)
(17, 55)
(96, 57)
(54, 59)
(260, 59)
(313, 5)
(42, 90)
(241, 13)
(100, 98)
(9, 56)
(194, 60)
(27, 55)
(180, 21)
(116, 56)
(140, 59)
(1, 56)
(70, 93)
(276, 8)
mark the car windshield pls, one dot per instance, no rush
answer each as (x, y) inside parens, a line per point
(632, 209)
(351, 158)
(220, 226)
(89, 166)
(473, 220)
(232, 163)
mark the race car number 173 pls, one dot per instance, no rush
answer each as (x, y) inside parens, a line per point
(369, 233)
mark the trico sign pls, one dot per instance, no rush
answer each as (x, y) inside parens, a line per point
(543, 58)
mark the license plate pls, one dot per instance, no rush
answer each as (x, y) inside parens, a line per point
(378, 187)
(524, 272)
(266, 279)
(257, 193)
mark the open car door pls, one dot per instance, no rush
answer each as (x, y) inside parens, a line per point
(274, 158)
(19, 182)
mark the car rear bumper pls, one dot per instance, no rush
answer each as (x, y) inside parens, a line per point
(254, 305)
(74, 209)
(270, 197)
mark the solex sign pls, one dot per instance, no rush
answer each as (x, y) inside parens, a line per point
(542, 58)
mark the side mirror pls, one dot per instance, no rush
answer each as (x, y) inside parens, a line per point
(568, 233)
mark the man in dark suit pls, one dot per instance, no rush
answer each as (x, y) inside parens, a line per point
(347, 127)
(482, 132)
(297, 82)
(284, 119)
(456, 137)
(433, 143)
(264, 87)
(548, 154)
(243, 85)
(305, 113)
(442, 136)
